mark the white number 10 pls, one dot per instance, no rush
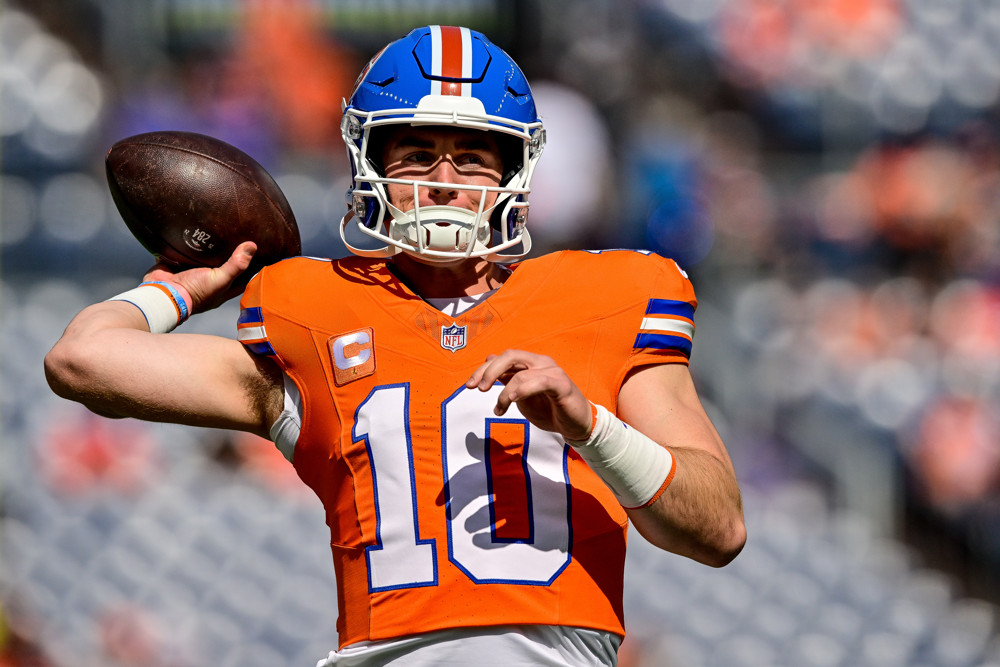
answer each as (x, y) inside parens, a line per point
(506, 491)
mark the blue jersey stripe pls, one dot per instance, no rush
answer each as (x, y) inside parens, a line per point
(670, 307)
(263, 348)
(251, 315)
(663, 342)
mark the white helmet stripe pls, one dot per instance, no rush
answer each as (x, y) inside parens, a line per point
(466, 62)
(435, 59)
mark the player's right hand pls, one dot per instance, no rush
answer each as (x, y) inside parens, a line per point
(207, 287)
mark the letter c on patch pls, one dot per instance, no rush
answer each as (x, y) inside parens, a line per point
(360, 341)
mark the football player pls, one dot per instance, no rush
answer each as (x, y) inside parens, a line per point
(480, 429)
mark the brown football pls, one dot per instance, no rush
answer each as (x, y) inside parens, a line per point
(190, 199)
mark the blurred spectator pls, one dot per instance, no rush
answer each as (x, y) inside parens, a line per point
(571, 199)
(253, 92)
(132, 637)
(82, 454)
(956, 454)
(256, 458)
(920, 203)
(303, 72)
(771, 42)
(665, 197)
(740, 198)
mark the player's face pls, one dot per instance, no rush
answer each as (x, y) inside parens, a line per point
(444, 155)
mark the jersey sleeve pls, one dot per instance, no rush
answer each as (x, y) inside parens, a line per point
(251, 330)
(665, 330)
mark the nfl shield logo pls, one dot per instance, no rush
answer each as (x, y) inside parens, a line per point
(453, 337)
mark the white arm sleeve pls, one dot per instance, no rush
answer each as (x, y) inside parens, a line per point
(285, 430)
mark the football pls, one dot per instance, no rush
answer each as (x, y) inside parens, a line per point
(190, 199)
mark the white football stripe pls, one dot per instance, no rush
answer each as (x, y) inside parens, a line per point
(251, 333)
(673, 326)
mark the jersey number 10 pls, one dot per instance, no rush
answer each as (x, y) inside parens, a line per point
(505, 488)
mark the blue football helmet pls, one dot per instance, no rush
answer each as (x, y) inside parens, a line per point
(454, 77)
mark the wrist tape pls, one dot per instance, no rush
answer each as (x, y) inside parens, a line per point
(162, 304)
(636, 468)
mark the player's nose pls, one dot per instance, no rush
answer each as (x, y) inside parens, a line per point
(443, 175)
(444, 171)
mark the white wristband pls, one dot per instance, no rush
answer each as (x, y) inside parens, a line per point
(635, 467)
(160, 303)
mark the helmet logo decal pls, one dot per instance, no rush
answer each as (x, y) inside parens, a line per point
(453, 337)
(451, 58)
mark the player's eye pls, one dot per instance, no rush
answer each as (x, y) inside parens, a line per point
(418, 157)
(476, 161)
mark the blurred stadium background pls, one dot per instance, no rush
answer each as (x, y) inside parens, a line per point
(826, 171)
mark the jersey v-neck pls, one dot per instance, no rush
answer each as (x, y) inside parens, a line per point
(455, 306)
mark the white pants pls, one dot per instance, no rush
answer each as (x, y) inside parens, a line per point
(503, 646)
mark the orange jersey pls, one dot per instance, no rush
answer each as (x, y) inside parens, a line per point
(442, 514)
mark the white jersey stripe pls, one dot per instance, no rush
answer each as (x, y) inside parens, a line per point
(251, 333)
(662, 324)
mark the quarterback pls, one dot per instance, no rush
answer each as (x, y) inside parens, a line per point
(480, 428)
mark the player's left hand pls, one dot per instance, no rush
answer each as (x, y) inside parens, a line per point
(542, 390)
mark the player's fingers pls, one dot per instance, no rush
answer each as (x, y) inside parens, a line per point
(162, 270)
(233, 267)
(496, 367)
(532, 383)
(239, 260)
(507, 364)
(529, 386)
(477, 375)
(522, 385)
(502, 404)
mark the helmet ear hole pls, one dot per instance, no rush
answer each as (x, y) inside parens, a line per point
(377, 138)
(498, 216)
(367, 209)
(511, 155)
(510, 218)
